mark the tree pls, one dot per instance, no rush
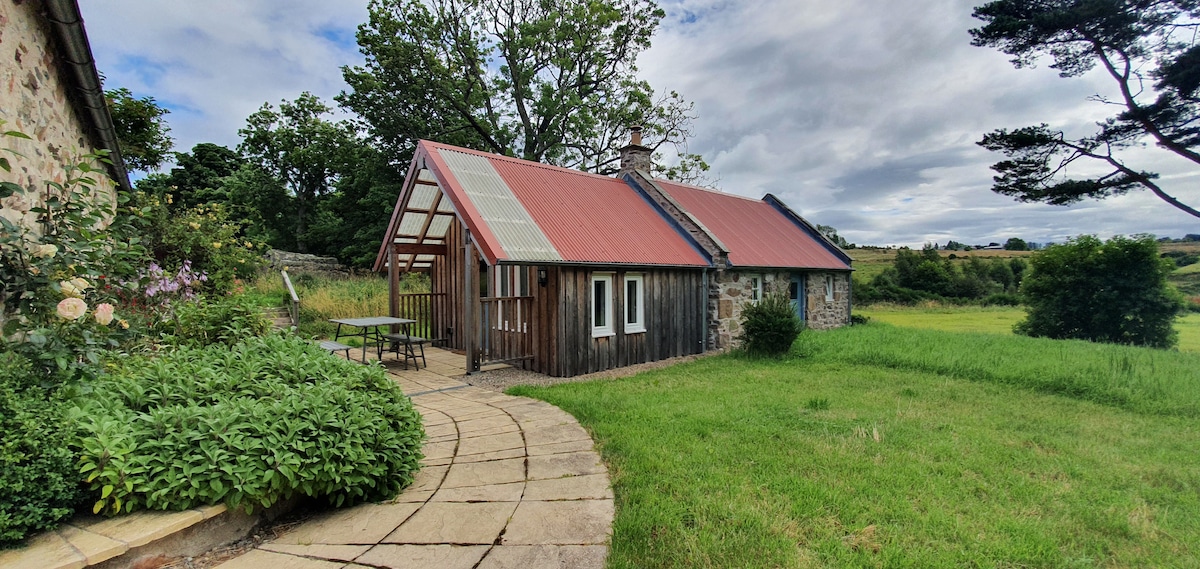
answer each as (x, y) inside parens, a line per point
(1016, 244)
(142, 133)
(350, 220)
(301, 149)
(551, 81)
(1147, 47)
(1104, 292)
(831, 233)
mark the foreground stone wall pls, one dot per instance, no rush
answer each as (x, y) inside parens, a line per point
(34, 100)
(730, 291)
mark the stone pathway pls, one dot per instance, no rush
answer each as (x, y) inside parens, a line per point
(507, 482)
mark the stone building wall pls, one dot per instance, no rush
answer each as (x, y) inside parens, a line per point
(822, 315)
(34, 100)
(729, 291)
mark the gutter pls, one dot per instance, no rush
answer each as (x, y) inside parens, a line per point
(66, 24)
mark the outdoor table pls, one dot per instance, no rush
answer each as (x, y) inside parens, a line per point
(370, 329)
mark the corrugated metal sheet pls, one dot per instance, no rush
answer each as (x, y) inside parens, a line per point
(756, 233)
(517, 232)
(595, 219)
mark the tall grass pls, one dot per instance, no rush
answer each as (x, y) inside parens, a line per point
(1138, 379)
(325, 297)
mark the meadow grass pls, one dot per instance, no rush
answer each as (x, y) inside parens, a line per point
(326, 297)
(892, 447)
(993, 320)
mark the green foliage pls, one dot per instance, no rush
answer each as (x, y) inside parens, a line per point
(1147, 47)
(550, 82)
(38, 481)
(769, 326)
(1113, 291)
(247, 425)
(142, 132)
(298, 147)
(926, 275)
(206, 236)
(1016, 244)
(84, 249)
(225, 321)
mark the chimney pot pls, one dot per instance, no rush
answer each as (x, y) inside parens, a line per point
(635, 135)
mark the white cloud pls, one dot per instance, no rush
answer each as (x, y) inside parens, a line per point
(861, 114)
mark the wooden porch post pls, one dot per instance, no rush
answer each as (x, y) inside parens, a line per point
(468, 267)
(393, 287)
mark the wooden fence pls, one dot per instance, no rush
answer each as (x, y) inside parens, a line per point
(429, 309)
(505, 334)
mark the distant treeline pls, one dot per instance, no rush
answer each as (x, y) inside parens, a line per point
(925, 275)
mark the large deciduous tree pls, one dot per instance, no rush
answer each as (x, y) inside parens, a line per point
(142, 130)
(545, 80)
(300, 148)
(1147, 47)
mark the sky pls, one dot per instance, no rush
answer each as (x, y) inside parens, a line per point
(859, 114)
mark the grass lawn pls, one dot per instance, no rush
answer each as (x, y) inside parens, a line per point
(891, 447)
(994, 320)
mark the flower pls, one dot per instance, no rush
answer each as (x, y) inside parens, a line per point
(45, 251)
(74, 287)
(71, 308)
(104, 313)
(194, 225)
(123, 323)
(216, 244)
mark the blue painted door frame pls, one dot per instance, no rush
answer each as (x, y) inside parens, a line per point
(796, 294)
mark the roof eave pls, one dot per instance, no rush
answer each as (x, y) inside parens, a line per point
(808, 228)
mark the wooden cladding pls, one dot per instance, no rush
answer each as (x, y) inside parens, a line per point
(505, 330)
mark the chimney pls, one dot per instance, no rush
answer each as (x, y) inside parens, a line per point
(635, 156)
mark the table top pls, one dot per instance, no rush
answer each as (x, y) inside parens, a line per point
(372, 321)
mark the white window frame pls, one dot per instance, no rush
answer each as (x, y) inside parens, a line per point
(756, 287)
(828, 288)
(607, 329)
(639, 325)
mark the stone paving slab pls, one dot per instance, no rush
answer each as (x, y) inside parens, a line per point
(506, 482)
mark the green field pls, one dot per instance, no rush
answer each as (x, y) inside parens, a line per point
(993, 319)
(893, 447)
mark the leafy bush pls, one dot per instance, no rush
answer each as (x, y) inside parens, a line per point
(38, 482)
(262, 421)
(770, 326)
(225, 321)
(1113, 291)
(1002, 299)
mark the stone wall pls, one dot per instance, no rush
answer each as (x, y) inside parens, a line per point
(730, 290)
(822, 315)
(34, 100)
(302, 262)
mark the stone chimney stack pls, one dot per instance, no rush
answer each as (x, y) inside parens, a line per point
(635, 156)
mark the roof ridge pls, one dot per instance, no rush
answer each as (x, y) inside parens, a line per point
(709, 190)
(514, 159)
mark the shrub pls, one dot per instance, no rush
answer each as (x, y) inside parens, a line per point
(265, 420)
(770, 326)
(225, 321)
(1113, 291)
(38, 482)
(1002, 299)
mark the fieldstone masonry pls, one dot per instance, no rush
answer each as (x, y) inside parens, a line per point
(34, 100)
(730, 290)
(302, 262)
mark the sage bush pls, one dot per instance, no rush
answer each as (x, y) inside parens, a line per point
(251, 424)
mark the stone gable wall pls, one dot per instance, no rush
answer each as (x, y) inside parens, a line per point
(34, 100)
(730, 290)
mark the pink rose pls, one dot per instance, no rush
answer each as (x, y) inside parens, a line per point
(104, 313)
(72, 308)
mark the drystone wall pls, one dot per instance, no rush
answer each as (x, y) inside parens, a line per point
(820, 314)
(34, 100)
(302, 262)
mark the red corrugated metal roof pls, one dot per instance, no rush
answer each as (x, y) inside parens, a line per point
(587, 217)
(756, 234)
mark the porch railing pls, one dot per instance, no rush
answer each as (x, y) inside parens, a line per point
(429, 309)
(505, 334)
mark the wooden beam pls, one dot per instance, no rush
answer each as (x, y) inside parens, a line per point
(468, 326)
(414, 249)
(426, 183)
(437, 201)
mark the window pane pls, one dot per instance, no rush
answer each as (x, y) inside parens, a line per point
(631, 302)
(794, 290)
(600, 304)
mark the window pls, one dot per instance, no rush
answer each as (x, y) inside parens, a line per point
(828, 288)
(755, 288)
(602, 305)
(634, 306)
